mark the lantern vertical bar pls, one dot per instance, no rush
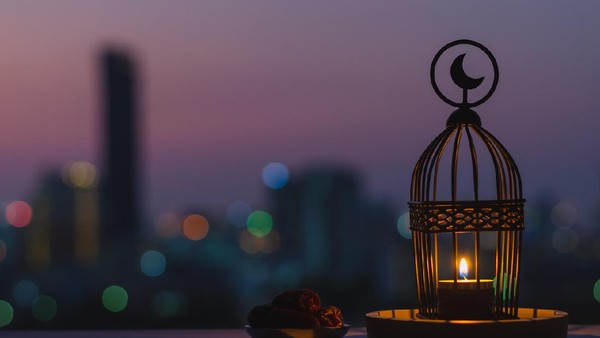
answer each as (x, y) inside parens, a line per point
(476, 198)
(447, 136)
(499, 173)
(474, 164)
(430, 291)
(513, 235)
(455, 163)
(420, 270)
(431, 282)
(509, 269)
(453, 184)
(417, 273)
(477, 277)
(510, 160)
(516, 256)
(436, 262)
(500, 277)
(498, 272)
(505, 274)
(517, 272)
(424, 297)
(438, 146)
(424, 272)
(509, 274)
(418, 181)
(455, 256)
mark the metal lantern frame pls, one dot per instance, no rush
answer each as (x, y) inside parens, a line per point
(430, 217)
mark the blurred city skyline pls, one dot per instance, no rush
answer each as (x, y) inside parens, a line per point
(230, 86)
(73, 254)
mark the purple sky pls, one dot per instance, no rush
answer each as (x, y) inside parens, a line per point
(229, 86)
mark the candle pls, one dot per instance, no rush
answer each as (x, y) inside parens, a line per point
(466, 299)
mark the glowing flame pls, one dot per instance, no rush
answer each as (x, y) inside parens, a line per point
(463, 270)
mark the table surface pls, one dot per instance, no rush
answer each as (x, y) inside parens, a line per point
(575, 331)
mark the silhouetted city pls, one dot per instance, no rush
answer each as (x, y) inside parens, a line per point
(75, 252)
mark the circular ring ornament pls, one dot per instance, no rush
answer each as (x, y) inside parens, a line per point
(460, 78)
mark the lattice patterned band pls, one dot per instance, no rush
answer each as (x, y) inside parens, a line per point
(443, 216)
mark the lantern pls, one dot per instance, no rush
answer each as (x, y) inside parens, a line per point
(466, 217)
(449, 214)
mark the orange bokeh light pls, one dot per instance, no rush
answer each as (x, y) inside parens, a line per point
(195, 227)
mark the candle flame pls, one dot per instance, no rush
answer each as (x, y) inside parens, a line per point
(463, 270)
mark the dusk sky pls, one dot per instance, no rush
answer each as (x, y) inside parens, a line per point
(230, 86)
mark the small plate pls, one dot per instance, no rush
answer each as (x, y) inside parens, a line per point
(324, 332)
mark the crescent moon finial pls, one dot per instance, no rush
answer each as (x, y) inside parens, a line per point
(457, 72)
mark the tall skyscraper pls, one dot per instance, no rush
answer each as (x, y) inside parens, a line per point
(119, 198)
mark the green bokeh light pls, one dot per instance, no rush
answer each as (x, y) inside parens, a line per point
(403, 226)
(260, 223)
(114, 298)
(505, 294)
(597, 290)
(44, 308)
(6, 313)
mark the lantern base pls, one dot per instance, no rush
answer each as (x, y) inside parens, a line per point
(405, 323)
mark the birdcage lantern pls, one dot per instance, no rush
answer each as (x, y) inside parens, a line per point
(467, 245)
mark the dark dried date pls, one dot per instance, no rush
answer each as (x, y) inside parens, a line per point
(288, 318)
(257, 317)
(302, 299)
(330, 316)
(299, 309)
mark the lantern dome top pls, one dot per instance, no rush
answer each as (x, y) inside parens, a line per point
(479, 151)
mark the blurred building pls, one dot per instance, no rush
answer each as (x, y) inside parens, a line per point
(49, 239)
(120, 208)
(320, 218)
(342, 238)
(64, 228)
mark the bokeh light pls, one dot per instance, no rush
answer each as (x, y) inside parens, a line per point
(6, 313)
(3, 251)
(168, 304)
(18, 214)
(275, 175)
(167, 225)
(44, 308)
(153, 263)
(260, 223)
(25, 292)
(564, 214)
(403, 226)
(505, 287)
(114, 298)
(565, 240)
(237, 213)
(80, 174)
(195, 227)
(597, 290)
(272, 242)
(251, 244)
